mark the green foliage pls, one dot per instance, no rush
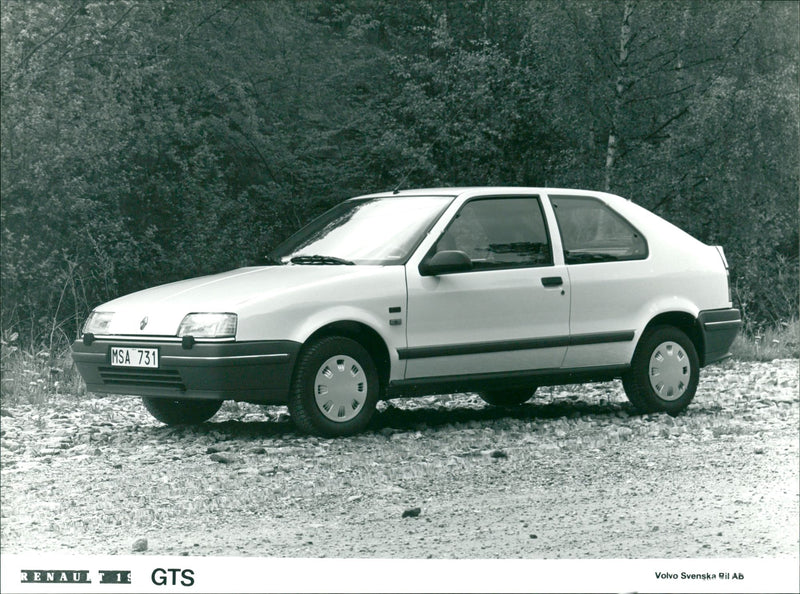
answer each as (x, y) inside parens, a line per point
(765, 343)
(144, 142)
(35, 377)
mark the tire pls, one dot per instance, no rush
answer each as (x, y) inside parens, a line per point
(664, 372)
(334, 389)
(181, 412)
(512, 397)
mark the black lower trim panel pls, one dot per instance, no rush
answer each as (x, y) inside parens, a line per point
(505, 380)
(258, 371)
(499, 346)
(718, 328)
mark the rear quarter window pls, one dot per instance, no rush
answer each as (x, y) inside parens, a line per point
(592, 232)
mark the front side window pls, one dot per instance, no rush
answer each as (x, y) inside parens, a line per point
(367, 231)
(593, 232)
(499, 233)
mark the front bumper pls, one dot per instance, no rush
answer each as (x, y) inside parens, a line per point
(248, 371)
(718, 328)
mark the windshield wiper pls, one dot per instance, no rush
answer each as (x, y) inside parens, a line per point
(317, 259)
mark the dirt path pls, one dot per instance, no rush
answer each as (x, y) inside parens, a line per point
(569, 475)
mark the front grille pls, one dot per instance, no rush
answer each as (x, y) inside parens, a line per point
(156, 378)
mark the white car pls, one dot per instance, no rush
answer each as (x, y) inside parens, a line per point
(494, 290)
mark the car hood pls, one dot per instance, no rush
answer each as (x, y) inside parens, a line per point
(235, 291)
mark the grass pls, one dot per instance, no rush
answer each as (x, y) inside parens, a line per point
(780, 341)
(38, 376)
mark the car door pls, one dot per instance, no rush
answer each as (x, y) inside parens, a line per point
(509, 313)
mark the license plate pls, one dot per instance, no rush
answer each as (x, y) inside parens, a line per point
(134, 357)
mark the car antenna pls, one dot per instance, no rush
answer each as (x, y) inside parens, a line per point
(400, 183)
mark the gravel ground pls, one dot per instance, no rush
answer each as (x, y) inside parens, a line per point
(572, 474)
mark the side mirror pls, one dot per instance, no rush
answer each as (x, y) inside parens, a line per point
(445, 262)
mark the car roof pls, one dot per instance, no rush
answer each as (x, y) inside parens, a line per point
(487, 191)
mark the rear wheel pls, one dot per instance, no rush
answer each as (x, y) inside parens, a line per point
(181, 412)
(513, 397)
(335, 388)
(664, 371)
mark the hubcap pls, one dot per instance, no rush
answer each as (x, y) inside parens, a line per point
(669, 370)
(340, 388)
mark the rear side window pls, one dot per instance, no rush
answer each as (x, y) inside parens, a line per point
(500, 233)
(593, 232)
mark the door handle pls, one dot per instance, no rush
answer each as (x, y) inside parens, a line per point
(552, 281)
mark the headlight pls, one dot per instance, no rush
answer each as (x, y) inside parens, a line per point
(98, 322)
(208, 325)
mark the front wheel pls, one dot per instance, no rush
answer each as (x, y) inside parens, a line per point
(335, 388)
(512, 397)
(181, 412)
(664, 372)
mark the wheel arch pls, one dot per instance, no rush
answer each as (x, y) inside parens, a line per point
(683, 321)
(366, 337)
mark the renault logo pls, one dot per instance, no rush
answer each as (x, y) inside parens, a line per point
(143, 323)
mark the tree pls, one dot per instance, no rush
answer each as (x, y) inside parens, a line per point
(144, 142)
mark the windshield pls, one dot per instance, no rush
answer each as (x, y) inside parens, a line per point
(367, 231)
